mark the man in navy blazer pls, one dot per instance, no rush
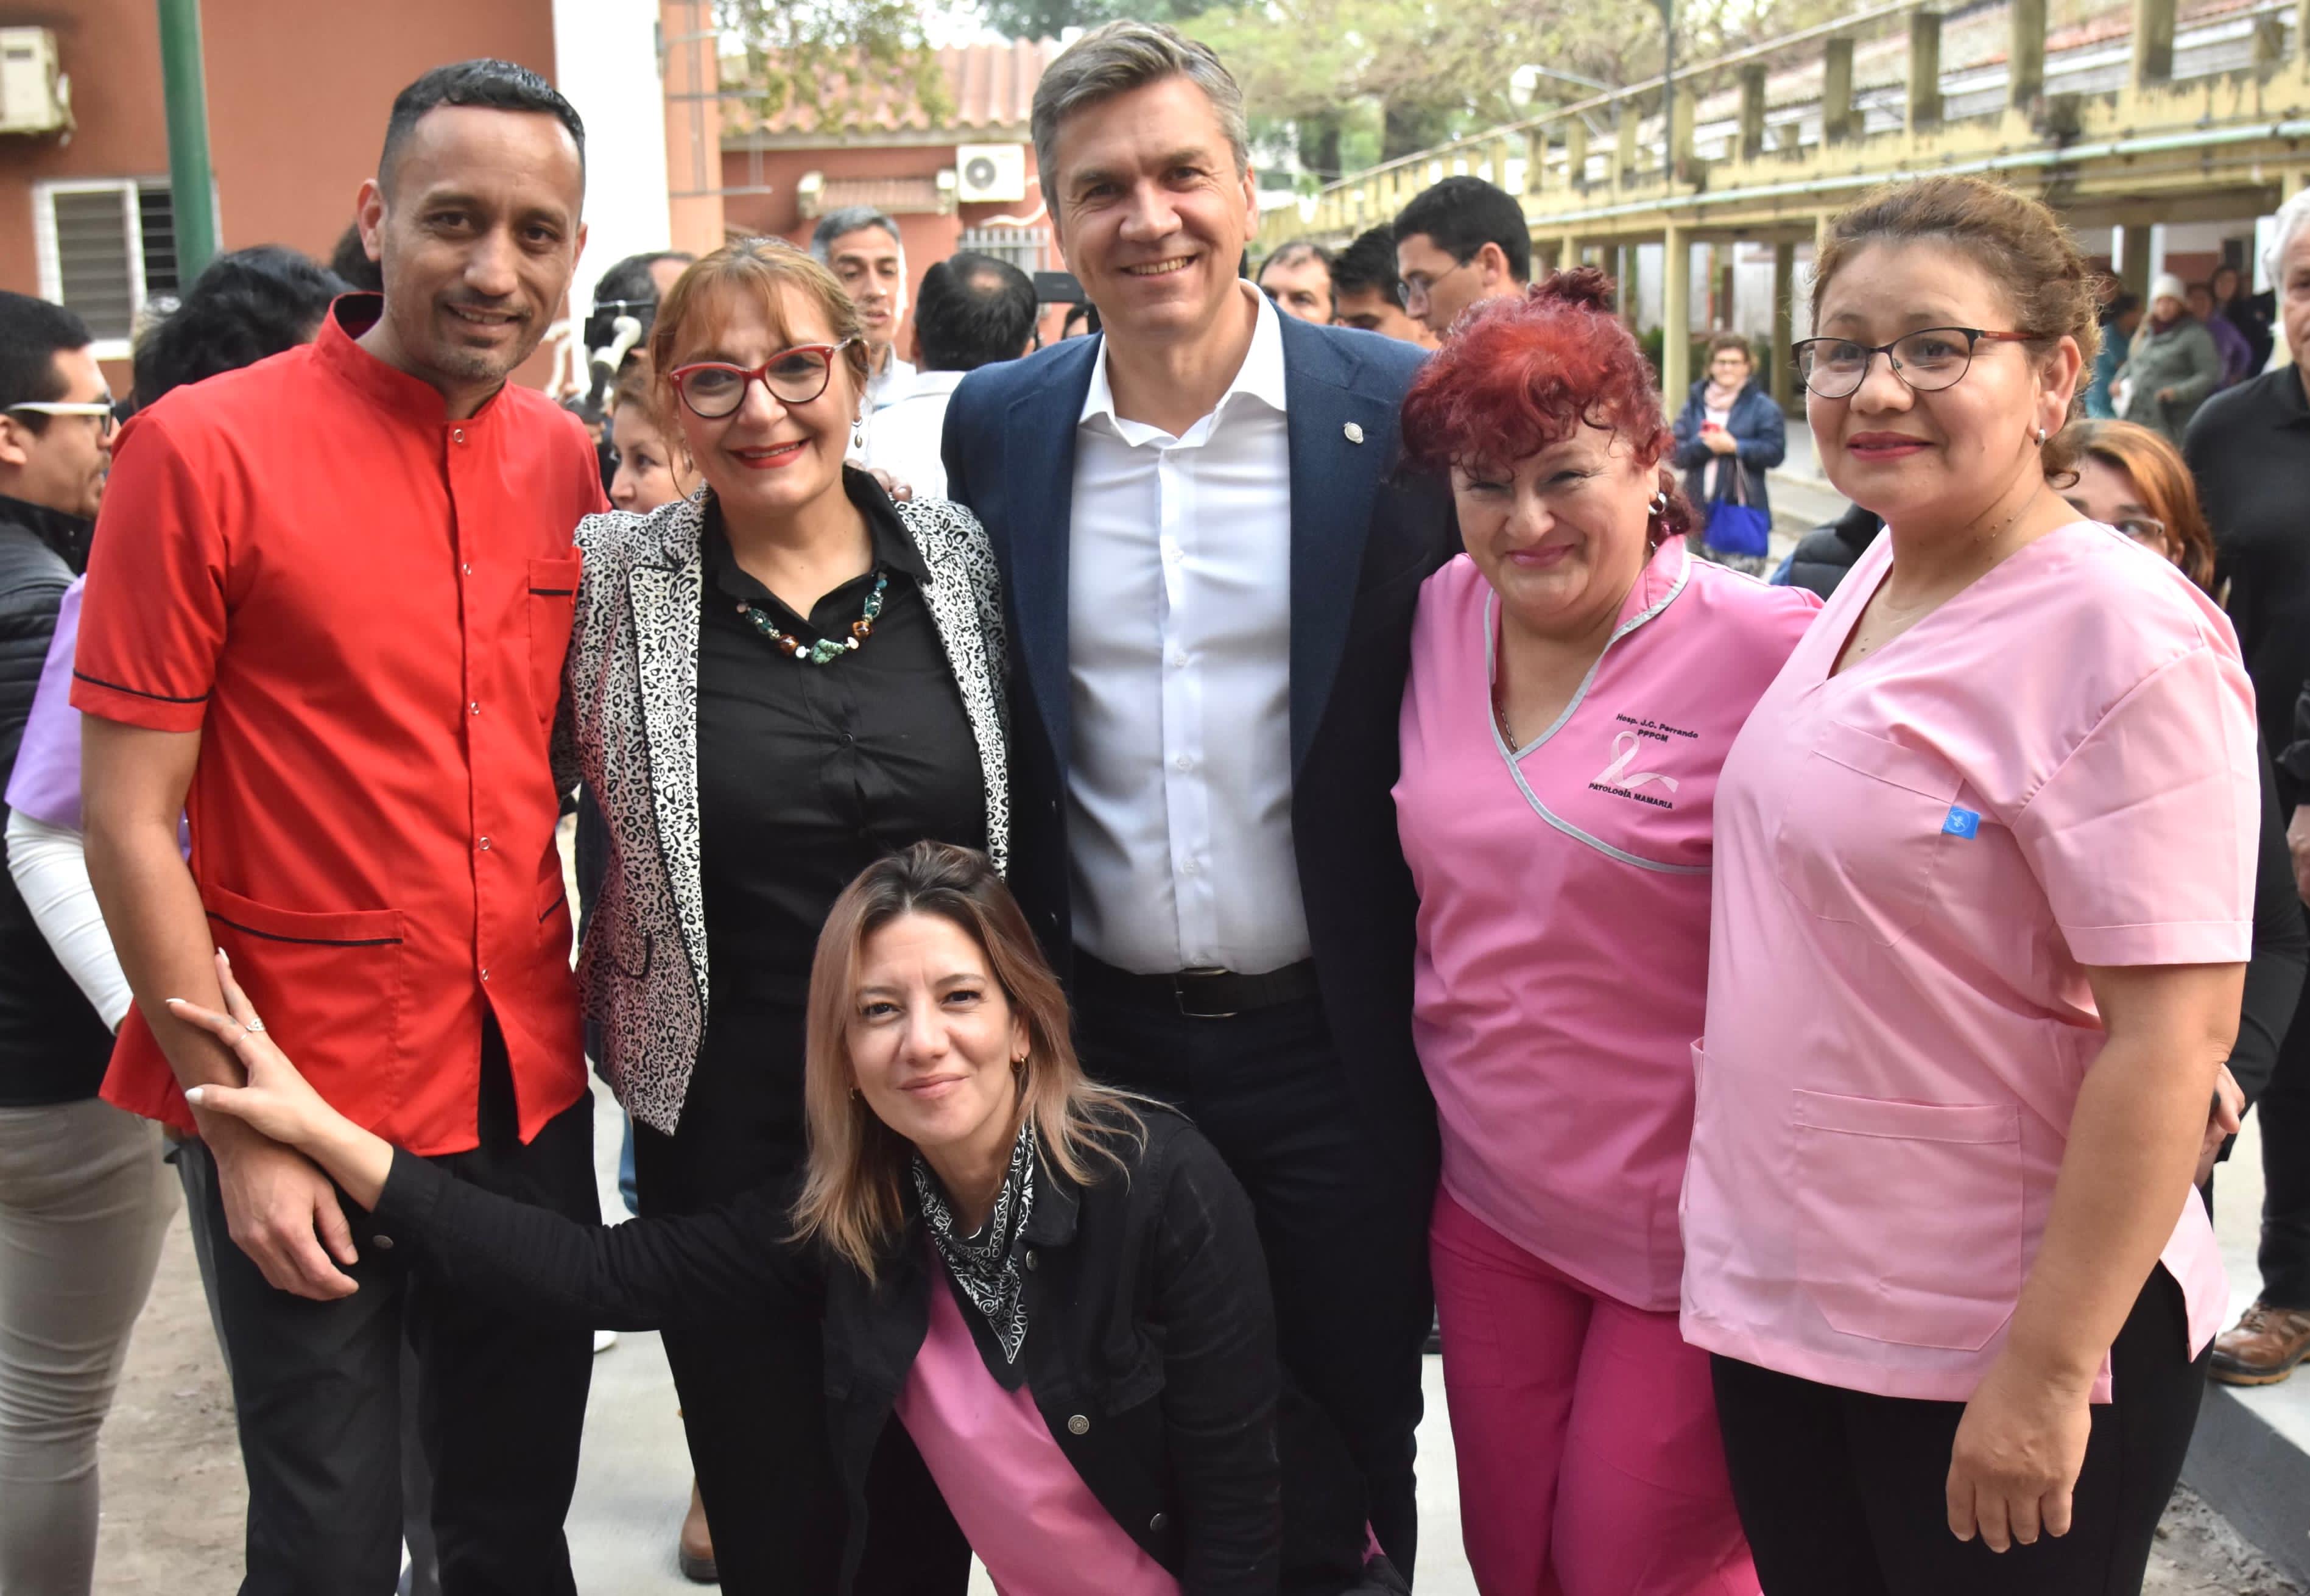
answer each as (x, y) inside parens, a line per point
(1210, 561)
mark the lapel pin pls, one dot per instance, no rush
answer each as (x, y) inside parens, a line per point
(1355, 433)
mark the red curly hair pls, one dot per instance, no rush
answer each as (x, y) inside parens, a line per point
(1518, 375)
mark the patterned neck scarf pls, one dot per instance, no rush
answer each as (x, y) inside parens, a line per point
(987, 1265)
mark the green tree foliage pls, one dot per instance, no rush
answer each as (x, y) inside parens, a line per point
(837, 62)
(1048, 18)
(1417, 71)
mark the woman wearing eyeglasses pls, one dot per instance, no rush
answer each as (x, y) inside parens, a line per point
(772, 683)
(1983, 883)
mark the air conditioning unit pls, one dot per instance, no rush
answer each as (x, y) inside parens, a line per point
(990, 174)
(35, 97)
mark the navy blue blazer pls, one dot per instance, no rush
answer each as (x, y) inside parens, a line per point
(1365, 534)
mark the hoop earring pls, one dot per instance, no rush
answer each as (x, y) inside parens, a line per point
(2041, 437)
(1660, 503)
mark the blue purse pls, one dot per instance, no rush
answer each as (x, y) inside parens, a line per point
(1736, 526)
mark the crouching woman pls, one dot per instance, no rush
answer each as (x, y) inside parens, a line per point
(1056, 1290)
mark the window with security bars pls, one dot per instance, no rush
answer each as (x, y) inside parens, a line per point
(105, 248)
(1022, 247)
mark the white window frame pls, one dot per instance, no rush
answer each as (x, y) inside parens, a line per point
(50, 256)
(1037, 238)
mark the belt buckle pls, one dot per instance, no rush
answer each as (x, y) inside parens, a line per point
(1179, 995)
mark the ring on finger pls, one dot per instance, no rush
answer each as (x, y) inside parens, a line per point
(252, 1025)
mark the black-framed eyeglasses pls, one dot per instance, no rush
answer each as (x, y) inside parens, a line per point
(714, 389)
(1406, 287)
(1929, 360)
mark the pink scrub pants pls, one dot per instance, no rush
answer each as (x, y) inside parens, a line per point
(1585, 1432)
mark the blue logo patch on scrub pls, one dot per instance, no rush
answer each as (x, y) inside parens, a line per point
(1961, 822)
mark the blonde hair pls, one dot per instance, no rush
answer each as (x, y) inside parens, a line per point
(853, 1197)
(759, 268)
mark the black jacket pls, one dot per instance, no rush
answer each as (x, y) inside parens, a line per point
(1825, 553)
(1364, 536)
(2280, 950)
(1151, 1346)
(53, 1047)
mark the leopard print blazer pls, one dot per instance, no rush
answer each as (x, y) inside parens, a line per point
(628, 725)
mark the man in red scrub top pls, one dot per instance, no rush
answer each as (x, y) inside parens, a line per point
(327, 617)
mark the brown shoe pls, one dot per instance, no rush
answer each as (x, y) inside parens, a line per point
(2264, 1347)
(695, 1549)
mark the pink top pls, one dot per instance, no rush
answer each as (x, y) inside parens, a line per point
(1563, 950)
(1916, 858)
(1021, 1506)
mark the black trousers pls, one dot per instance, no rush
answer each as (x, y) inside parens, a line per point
(754, 1395)
(1346, 1238)
(1843, 1494)
(500, 1401)
(2285, 1111)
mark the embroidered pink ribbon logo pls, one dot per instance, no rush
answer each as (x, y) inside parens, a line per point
(1616, 773)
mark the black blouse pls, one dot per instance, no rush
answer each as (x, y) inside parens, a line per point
(808, 774)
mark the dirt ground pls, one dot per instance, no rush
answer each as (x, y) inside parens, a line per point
(174, 1497)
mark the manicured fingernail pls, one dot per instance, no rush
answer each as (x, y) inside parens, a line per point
(171, 1001)
(195, 1096)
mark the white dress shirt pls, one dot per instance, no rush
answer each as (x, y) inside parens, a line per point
(903, 438)
(1179, 662)
(891, 383)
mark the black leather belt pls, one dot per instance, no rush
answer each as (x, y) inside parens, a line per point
(1198, 993)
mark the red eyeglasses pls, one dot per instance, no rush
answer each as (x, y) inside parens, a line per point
(714, 389)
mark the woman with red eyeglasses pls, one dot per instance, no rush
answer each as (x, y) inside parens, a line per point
(772, 683)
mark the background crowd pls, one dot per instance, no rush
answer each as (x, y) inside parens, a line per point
(1125, 883)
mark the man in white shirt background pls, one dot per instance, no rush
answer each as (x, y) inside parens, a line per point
(861, 246)
(973, 310)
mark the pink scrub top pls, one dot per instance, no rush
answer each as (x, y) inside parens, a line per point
(1563, 931)
(1916, 858)
(1019, 1502)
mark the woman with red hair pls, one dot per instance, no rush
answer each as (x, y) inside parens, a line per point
(1576, 680)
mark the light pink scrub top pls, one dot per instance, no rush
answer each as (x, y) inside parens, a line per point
(1563, 931)
(1916, 859)
(1021, 1506)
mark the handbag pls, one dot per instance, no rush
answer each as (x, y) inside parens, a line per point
(1736, 526)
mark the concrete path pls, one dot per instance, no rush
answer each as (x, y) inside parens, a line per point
(174, 1495)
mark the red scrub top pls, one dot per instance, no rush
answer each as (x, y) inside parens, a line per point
(363, 607)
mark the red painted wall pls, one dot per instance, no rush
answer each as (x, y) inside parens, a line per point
(298, 93)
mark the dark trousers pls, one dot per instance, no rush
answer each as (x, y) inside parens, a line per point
(2285, 1111)
(1843, 1494)
(753, 1393)
(500, 1401)
(1345, 1236)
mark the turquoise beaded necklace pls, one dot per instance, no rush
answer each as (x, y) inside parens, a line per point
(825, 650)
